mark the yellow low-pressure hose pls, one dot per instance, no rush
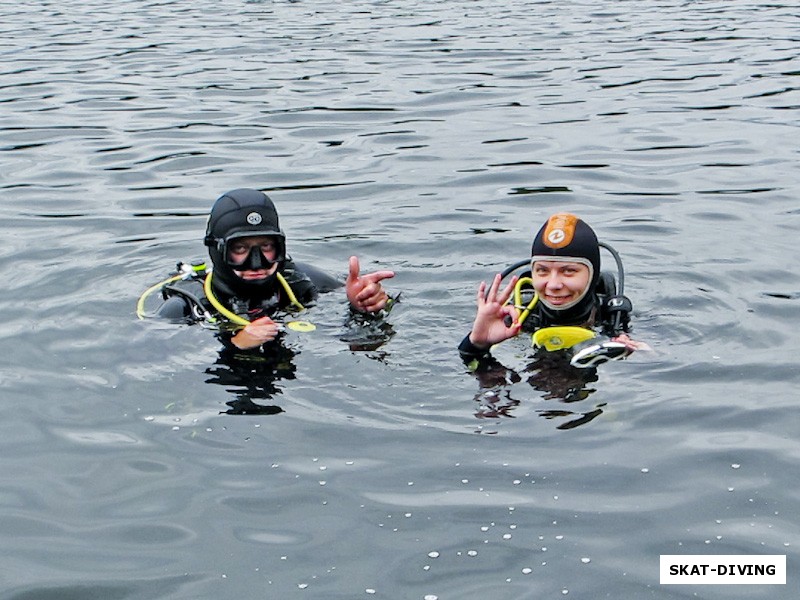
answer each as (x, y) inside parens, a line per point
(140, 304)
(233, 317)
(518, 298)
(292, 298)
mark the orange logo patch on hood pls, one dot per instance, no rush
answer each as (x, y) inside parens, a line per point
(560, 230)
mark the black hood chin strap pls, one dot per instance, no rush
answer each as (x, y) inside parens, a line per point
(579, 314)
(229, 284)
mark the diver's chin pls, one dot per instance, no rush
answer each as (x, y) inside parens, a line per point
(559, 304)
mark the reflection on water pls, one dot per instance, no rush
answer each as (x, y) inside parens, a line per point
(253, 379)
(549, 373)
(431, 139)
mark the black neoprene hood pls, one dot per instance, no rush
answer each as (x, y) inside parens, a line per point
(241, 213)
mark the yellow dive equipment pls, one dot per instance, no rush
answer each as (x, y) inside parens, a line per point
(303, 326)
(187, 271)
(140, 304)
(557, 338)
(551, 338)
(526, 310)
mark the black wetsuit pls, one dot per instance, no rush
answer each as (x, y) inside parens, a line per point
(185, 300)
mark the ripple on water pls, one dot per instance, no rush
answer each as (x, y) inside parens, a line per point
(431, 139)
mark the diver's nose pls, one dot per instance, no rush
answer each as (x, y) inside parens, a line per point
(554, 281)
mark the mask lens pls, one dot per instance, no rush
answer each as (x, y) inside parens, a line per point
(251, 255)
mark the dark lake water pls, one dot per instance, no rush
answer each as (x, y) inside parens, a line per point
(432, 138)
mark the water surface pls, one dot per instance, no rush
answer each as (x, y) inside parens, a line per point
(432, 139)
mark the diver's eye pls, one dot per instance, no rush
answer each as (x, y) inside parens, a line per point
(238, 248)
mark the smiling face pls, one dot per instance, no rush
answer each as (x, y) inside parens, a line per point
(253, 258)
(560, 284)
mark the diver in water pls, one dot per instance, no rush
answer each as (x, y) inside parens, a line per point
(253, 285)
(578, 316)
(253, 277)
